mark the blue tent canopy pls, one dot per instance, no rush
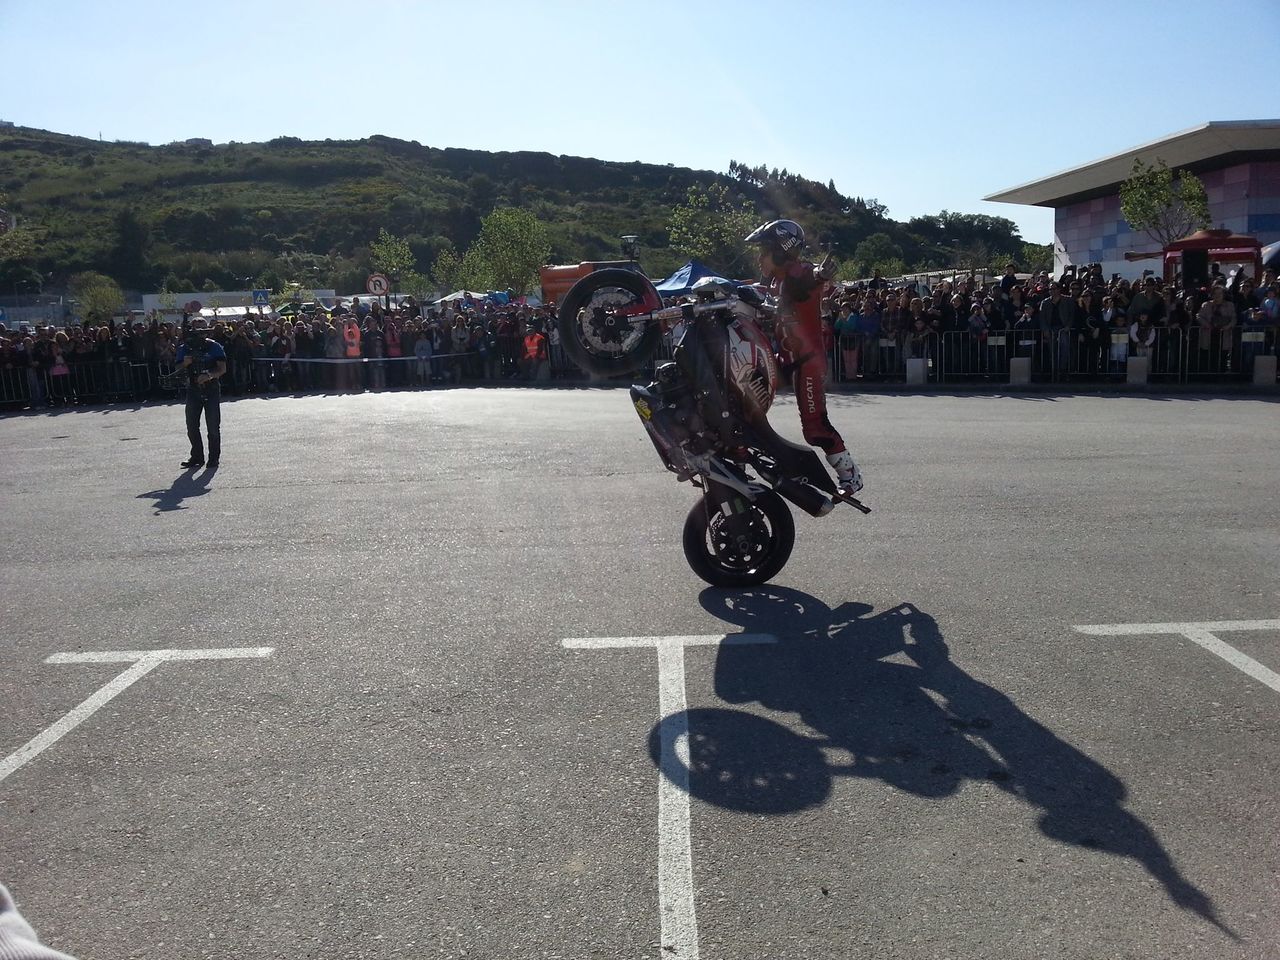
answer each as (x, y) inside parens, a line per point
(682, 281)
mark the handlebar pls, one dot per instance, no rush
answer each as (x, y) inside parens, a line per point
(693, 309)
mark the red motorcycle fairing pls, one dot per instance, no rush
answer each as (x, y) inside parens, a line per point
(652, 300)
(751, 365)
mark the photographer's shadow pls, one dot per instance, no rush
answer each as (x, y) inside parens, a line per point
(188, 484)
(882, 687)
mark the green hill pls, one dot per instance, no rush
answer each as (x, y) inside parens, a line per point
(193, 215)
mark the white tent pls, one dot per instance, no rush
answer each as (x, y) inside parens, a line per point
(236, 313)
(462, 295)
(532, 300)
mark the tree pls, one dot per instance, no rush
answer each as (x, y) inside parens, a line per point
(19, 249)
(482, 190)
(948, 229)
(391, 255)
(417, 284)
(978, 254)
(127, 259)
(446, 270)
(474, 272)
(511, 247)
(99, 296)
(710, 226)
(1165, 204)
(294, 292)
(1036, 257)
(878, 251)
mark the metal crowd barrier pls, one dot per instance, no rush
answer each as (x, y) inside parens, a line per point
(90, 381)
(1174, 355)
(966, 355)
(15, 389)
(864, 356)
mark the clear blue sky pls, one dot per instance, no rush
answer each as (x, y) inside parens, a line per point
(923, 105)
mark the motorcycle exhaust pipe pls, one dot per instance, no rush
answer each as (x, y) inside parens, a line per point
(809, 499)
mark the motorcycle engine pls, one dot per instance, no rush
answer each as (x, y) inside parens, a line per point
(684, 420)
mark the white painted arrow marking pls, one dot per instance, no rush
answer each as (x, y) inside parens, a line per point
(1206, 635)
(143, 662)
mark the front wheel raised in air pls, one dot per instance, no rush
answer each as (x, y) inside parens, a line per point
(601, 322)
(741, 549)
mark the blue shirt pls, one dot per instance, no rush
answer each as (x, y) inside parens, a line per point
(210, 352)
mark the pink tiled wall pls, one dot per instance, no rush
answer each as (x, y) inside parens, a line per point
(1244, 198)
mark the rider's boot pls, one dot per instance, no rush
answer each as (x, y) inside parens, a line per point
(847, 471)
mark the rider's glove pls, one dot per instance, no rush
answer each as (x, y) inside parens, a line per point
(826, 270)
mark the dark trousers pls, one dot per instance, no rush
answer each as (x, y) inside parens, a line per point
(205, 401)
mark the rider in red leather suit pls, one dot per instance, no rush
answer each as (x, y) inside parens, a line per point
(798, 286)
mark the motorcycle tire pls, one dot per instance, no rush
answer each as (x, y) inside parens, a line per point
(742, 550)
(600, 342)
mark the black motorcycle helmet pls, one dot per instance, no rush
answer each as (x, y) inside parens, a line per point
(782, 238)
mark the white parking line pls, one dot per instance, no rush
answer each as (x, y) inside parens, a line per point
(675, 851)
(144, 661)
(1206, 635)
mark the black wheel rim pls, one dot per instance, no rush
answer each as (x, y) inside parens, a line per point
(604, 329)
(742, 542)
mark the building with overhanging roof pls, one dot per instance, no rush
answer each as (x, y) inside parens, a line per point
(1237, 160)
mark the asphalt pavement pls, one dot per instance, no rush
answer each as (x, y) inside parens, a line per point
(320, 704)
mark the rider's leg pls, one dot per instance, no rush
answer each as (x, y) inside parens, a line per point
(811, 397)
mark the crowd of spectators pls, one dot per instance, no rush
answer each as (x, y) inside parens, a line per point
(313, 348)
(1077, 324)
(400, 346)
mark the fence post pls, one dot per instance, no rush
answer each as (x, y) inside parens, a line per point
(1020, 370)
(1264, 370)
(1137, 370)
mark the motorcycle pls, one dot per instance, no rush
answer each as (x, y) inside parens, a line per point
(706, 413)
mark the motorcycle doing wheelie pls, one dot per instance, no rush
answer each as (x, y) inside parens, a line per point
(706, 413)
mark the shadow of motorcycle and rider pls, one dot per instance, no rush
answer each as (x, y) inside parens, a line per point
(882, 687)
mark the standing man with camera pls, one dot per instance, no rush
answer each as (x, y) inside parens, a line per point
(205, 362)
